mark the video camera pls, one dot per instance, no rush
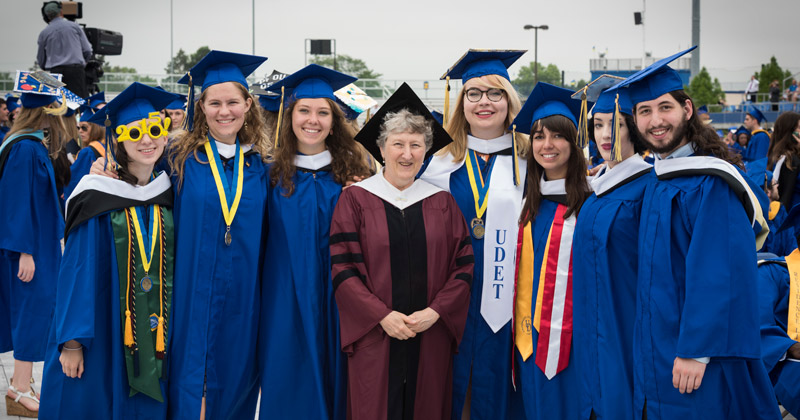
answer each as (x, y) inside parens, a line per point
(103, 41)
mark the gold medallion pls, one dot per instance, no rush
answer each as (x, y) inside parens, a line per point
(478, 229)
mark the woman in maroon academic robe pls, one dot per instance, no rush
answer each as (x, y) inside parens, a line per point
(402, 270)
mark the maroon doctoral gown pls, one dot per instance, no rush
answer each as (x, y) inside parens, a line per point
(403, 251)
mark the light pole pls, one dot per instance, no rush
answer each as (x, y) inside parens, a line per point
(536, 49)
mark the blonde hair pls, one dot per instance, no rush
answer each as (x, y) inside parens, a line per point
(187, 143)
(458, 127)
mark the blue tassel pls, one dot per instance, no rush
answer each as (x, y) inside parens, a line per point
(189, 124)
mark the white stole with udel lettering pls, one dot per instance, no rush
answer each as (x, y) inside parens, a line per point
(502, 219)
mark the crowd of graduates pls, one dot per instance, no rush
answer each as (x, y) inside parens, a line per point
(599, 254)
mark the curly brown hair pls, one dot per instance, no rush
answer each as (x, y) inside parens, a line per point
(348, 159)
(187, 143)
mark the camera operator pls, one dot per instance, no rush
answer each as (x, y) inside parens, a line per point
(64, 49)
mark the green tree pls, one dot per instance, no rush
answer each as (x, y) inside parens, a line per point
(769, 72)
(524, 82)
(703, 90)
(354, 67)
(182, 62)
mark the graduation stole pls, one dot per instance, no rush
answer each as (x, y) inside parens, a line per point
(145, 256)
(229, 195)
(793, 323)
(552, 317)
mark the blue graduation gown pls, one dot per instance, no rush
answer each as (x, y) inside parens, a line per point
(696, 297)
(544, 399)
(87, 310)
(31, 222)
(604, 297)
(216, 295)
(782, 243)
(79, 169)
(757, 147)
(482, 354)
(303, 370)
(773, 294)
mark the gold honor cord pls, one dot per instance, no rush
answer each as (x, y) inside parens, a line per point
(146, 262)
(215, 164)
(477, 224)
(793, 323)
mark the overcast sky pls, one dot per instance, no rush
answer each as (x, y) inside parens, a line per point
(419, 40)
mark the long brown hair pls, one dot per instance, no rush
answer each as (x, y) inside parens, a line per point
(347, 159)
(783, 143)
(188, 143)
(458, 127)
(576, 186)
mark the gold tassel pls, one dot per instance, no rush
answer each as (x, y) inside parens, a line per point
(514, 152)
(160, 335)
(128, 329)
(617, 147)
(583, 123)
(280, 119)
(445, 116)
(61, 110)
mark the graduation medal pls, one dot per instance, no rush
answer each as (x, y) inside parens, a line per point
(480, 192)
(478, 229)
(150, 239)
(229, 198)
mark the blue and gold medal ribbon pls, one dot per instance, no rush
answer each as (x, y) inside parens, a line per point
(228, 198)
(480, 187)
(146, 237)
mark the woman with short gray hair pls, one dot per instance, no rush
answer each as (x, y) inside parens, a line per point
(402, 269)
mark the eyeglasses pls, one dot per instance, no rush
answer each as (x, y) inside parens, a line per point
(83, 127)
(475, 94)
(155, 128)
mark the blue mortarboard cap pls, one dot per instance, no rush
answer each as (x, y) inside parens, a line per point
(720, 133)
(655, 80)
(438, 116)
(178, 103)
(742, 130)
(12, 103)
(222, 66)
(97, 99)
(86, 115)
(271, 103)
(544, 101)
(349, 113)
(313, 81)
(133, 104)
(477, 63)
(607, 100)
(756, 113)
(703, 109)
(36, 100)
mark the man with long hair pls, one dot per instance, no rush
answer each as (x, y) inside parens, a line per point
(696, 351)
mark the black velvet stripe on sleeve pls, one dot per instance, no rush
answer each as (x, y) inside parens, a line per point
(467, 241)
(343, 237)
(344, 275)
(466, 277)
(347, 258)
(467, 259)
